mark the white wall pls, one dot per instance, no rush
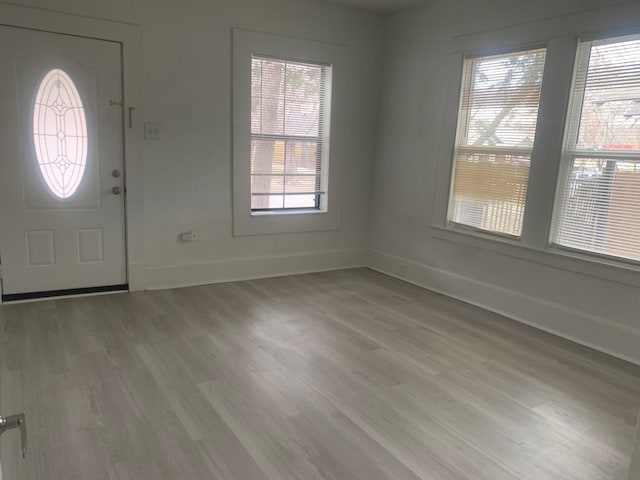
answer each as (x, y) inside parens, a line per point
(187, 175)
(599, 309)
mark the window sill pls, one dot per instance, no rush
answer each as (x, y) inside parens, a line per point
(552, 256)
(272, 213)
(279, 221)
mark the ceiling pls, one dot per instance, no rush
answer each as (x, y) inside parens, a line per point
(381, 5)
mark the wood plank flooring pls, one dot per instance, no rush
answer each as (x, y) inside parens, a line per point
(342, 375)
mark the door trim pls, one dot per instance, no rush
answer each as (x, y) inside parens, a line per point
(130, 38)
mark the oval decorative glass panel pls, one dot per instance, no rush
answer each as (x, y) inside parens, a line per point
(60, 133)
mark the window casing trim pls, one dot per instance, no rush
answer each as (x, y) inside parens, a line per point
(561, 41)
(570, 152)
(329, 216)
(564, 258)
(461, 125)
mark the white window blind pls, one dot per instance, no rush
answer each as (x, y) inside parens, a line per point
(496, 133)
(598, 202)
(289, 133)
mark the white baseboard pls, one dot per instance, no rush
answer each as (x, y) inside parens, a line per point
(598, 333)
(237, 269)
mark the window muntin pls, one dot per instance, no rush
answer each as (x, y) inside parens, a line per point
(289, 133)
(598, 202)
(60, 133)
(496, 132)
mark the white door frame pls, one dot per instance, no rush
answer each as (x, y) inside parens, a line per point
(634, 468)
(130, 39)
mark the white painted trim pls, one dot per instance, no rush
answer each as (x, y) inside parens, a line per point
(247, 268)
(560, 34)
(564, 259)
(246, 43)
(634, 468)
(580, 327)
(130, 37)
(605, 20)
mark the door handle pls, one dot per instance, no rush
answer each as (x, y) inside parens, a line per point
(16, 421)
(116, 190)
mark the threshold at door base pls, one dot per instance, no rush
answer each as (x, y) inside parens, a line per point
(17, 297)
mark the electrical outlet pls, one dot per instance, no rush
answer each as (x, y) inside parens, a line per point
(189, 237)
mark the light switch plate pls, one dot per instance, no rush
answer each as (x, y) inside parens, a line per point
(152, 131)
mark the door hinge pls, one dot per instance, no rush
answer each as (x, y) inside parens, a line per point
(114, 103)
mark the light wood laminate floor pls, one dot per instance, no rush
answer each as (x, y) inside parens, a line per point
(342, 375)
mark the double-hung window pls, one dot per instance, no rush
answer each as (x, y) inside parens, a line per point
(496, 133)
(598, 200)
(289, 133)
(584, 198)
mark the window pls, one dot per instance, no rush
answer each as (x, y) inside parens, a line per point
(496, 134)
(288, 132)
(60, 134)
(598, 203)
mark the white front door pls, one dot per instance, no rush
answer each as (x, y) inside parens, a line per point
(61, 164)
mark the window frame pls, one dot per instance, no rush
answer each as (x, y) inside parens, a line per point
(570, 151)
(323, 138)
(329, 216)
(561, 40)
(462, 124)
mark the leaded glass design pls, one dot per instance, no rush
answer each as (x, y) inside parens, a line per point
(60, 133)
